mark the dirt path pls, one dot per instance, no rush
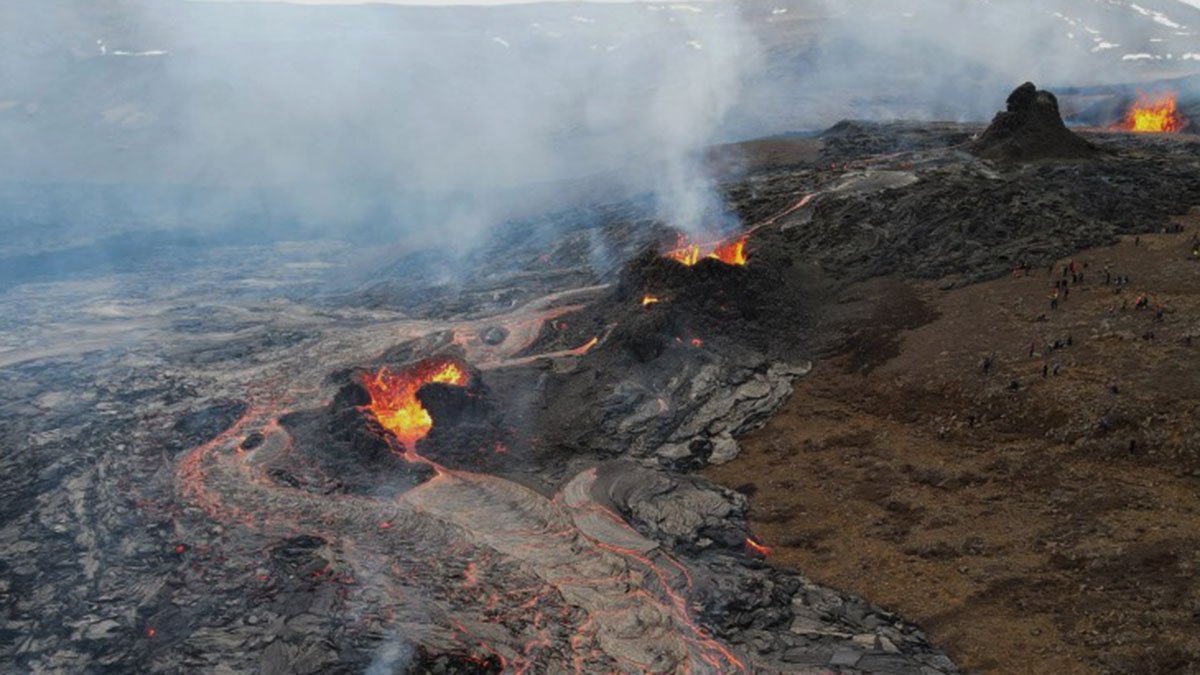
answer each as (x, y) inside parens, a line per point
(1029, 523)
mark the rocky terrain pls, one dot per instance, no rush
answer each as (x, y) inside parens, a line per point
(196, 477)
(1019, 480)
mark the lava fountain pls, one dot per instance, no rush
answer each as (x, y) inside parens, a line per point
(1158, 113)
(394, 396)
(728, 252)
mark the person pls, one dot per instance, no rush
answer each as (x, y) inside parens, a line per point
(1045, 370)
(1032, 348)
(987, 363)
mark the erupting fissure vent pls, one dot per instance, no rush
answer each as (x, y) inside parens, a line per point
(730, 253)
(394, 396)
(1154, 114)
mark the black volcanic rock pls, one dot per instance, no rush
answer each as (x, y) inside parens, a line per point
(1031, 128)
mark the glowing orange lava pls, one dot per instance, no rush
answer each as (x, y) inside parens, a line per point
(394, 396)
(585, 347)
(730, 253)
(758, 548)
(649, 300)
(1154, 114)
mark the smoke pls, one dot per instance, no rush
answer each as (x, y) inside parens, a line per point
(423, 125)
(395, 656)
(430, 126)
(955, 60)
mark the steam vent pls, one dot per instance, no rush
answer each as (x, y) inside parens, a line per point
(1030, 128)
(672, 337)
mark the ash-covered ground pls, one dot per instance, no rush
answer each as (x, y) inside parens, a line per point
(190, 481)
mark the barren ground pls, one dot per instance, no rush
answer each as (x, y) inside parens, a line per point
(1050, 527)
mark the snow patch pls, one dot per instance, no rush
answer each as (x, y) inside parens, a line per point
(1158, 17)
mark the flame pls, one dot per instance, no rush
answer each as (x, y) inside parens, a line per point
(730, 253)
(1154, 114)
(394, 396)
(758, 548)
(649, 300)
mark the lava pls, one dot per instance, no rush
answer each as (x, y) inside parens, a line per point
(1157, 113)
(394, 396)
(585, 347)
(758, 548)
(728, 252)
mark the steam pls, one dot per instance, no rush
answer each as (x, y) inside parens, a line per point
(431, 126)
(395, 656)
(958, 59)
(428, 126)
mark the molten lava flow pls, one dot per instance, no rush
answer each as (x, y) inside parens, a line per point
(649, 300)
(758, 548)
(1154, 114)
(394, 396)
(730, 253)
(585, 347)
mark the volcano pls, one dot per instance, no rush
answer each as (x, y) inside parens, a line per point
(378, 339)
(1031, 128)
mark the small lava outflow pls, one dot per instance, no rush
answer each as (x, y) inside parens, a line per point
(1154, 113)
(728, 252)
(394, 396)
